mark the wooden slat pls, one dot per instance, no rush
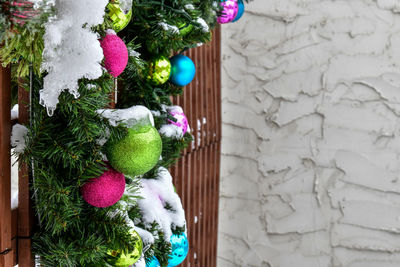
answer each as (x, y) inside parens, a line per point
(25, 257)
(14, 234)
(14, 223)
(196, 175)
(189, 213)
(6, 260)
(193, 212)
(204, 207)
(14, 246)
(210, 206)
(25, 211)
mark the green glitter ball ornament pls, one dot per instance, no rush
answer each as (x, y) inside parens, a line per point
(120, 259)
(119, 18)
(137, 152)
(159, 70)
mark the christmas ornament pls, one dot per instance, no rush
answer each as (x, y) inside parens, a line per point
(137, 152)
(182, 71)
(117, 15)
(120, 259)
(180, 249)
(185, 28)
(229, 11)
(115, 53)
(153, 262)
(22, 11)
(181, 120)
(240, 11)
(159, 70)
(105, 190)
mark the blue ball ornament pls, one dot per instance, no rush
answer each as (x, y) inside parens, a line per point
(240, 11)
(180, 249)
(153, 262)
(182, 71)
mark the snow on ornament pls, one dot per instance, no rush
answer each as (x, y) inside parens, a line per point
(71, 50)
(115, 53)
(128, 116)
(139, 150)
(178, 128)
(105, 190)
(229, 11)
(181, 119)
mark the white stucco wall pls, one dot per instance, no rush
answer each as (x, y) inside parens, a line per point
(311, 135)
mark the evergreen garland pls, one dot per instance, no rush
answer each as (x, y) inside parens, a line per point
(65, 148)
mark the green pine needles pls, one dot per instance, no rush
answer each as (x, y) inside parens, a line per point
(67, 149)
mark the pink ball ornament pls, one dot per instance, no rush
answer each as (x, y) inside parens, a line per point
(105, 190)
(181, 120)
(230, 9)
(115, 53)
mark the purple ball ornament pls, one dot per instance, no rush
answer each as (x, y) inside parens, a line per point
(181, 120)
(230, 9)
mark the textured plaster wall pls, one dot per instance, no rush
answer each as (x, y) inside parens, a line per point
(311, 135)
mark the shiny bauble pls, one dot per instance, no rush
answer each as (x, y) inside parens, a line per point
(137, 152)
(159, 70)
(120, 259)
(153, 262)
(240, 11)
(181, 120)
(179, 248)
(185, 28)
(120, 18)
(105, 190)
(115, 53)
(229, 11)
(182, 71)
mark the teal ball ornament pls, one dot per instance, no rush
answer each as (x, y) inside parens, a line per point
(179, 248)
(137, 152)
(240, 11)
(182, 71)
(153, 262)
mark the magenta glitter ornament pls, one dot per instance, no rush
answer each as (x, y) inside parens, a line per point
(181, 120)
(230, 9)
(115, 53)
(105, 190)
(22, 11)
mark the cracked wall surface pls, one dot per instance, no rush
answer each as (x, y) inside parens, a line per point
(311, 135)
